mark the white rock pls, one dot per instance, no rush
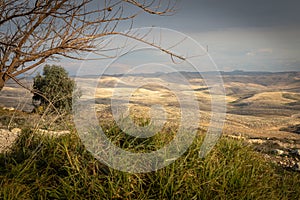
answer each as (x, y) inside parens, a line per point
(9, 108)
(42, 131)
(16, 131)
(297, 166)
(236, 137)
(256, 141)
(6, 139)
(54, 133)
(57, 133)
(278, 152)
(4, 132)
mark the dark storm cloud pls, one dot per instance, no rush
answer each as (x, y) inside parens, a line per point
(249, 13)
(241, 34)
(217, 14)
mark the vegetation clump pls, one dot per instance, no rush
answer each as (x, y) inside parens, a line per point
(53, 90)
(292, 129)
(47, 167)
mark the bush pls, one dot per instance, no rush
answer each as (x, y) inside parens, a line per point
(54, 86)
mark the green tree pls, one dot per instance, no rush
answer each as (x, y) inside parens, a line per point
(53, 86)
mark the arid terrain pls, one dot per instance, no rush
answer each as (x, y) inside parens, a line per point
(258, 104)
(261, 106)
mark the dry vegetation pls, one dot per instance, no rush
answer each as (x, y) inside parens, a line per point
(254, 109)
(257, 105)
(261, 113)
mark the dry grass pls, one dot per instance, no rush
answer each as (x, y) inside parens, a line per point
(44, 167)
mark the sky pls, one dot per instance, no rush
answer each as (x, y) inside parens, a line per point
(250, 35)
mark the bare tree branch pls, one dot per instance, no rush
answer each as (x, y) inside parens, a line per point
(33, 31)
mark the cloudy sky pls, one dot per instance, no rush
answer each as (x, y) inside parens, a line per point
(252, 35)
(241, 34)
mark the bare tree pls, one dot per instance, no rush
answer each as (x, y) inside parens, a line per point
(33, 31)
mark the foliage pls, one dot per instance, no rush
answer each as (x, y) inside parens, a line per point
(45, 167)
(53, 87)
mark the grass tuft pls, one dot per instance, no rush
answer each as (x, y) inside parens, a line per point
(45, 167)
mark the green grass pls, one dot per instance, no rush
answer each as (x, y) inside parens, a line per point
(44, 167)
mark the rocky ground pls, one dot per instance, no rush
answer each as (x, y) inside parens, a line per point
(282, 152)
(8, 137)
(12, 122)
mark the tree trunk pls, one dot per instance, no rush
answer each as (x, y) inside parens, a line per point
(1, 84)
(2, 81)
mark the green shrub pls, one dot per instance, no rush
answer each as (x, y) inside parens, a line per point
(53, 86)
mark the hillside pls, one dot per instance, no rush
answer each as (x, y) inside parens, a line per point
(258, 155)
